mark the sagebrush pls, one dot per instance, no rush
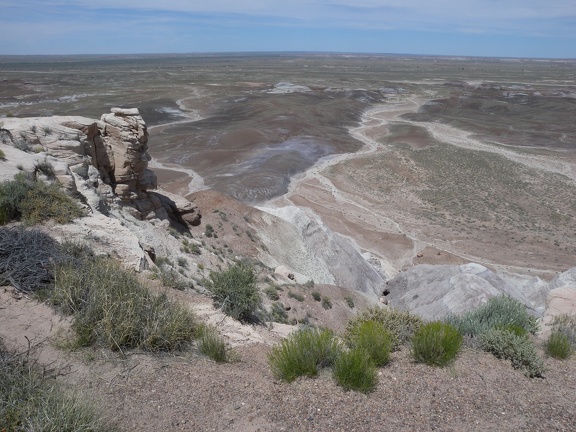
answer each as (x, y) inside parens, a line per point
(34, 201)
(500, 311)
(518, 349)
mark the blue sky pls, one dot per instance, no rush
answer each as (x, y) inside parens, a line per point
(503, 28)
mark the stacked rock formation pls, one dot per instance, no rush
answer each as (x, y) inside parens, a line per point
(105, 160)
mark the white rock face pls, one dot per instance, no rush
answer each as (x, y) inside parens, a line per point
(107, 236)
(433, 292)
(310, 248)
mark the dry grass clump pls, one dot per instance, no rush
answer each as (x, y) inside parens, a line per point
(25, 257)
(211, 344)
(30, 402)
(111, 307)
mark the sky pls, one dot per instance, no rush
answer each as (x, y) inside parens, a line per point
(485, 28)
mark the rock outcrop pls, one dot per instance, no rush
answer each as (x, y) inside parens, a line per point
(434, 291)
(104, 160)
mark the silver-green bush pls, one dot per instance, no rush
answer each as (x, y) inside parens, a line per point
(500, 311)
(518, 349)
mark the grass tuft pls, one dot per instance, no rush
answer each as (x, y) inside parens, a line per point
(30, 402)
(558, 346)
(303, 353)
(211, 344)
(353, 370)
(372, 337)
(436, 343)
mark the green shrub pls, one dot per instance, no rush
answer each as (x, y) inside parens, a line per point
(500, 311)
(2, 155)
(112, 308)
(326, 303)
(211, 344)
(303, 353)
(272, 293)
(316, 296)
(235, 291)
(558, 346)
(209, 231)
(518, 349)
(31, 402)
(278, 313)
(436, 343)
(400, 324)
(296, 296)
(353, 370)
(349, 301)
(372, 337)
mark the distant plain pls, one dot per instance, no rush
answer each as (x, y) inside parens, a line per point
(422, 159)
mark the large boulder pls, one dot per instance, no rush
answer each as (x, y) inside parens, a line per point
(435, 291)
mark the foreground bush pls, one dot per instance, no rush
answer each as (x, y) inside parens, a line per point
(374, 339)
(498, 312)
(34, 201)
(235, 291)
(111, 307)
(400, 324)
(303, 353)
(436, 343)
(558, 346)
(28, 402)
(518, 349)
(354, 370)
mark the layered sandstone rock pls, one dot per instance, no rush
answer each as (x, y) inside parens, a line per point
(105, 160)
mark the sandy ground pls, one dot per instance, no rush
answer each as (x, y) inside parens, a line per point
(186, 392)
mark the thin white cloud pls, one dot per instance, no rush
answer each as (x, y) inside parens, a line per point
(491, 15)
